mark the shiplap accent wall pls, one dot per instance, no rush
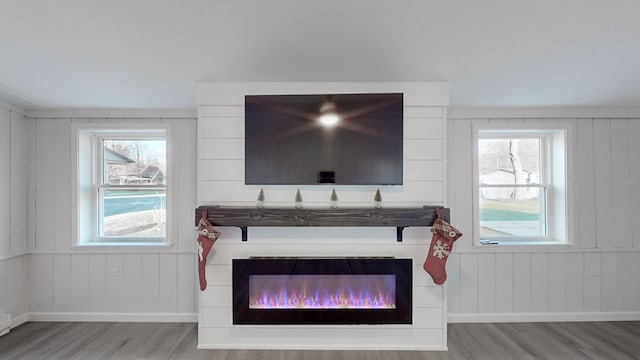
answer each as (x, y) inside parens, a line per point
(16, 159)
(221, 181)
(71, 283)
(599, 277)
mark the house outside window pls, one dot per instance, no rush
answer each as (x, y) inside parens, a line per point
(521, 194)
(123, 186)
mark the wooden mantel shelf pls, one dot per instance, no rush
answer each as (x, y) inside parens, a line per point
(398, 217)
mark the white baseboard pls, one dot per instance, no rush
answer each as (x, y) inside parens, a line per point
(113, 317)
(5, 323)
(543, 317)
(19, 320)
(315, 347)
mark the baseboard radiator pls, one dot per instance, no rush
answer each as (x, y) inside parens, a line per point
(5, 323)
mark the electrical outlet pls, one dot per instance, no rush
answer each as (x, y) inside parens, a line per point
(594, 269)
(118, 269)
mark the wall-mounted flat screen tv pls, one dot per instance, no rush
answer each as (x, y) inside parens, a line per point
(342, 139)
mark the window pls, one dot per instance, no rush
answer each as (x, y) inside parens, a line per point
(123, 187)
(521, 192)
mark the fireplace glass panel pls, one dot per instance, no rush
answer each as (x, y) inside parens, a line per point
(309, 291)
(322, 291)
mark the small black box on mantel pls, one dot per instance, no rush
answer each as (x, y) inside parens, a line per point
(326, 177)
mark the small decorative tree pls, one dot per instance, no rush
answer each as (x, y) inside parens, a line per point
(260, 200)
(334, 199)
(298, 201)
(378, 199)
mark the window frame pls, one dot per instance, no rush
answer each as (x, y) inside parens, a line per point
(554, 177)
(87, 176)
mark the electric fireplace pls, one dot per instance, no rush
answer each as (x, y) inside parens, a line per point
(347, 291)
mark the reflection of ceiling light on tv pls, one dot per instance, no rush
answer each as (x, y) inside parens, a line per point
(328, 113)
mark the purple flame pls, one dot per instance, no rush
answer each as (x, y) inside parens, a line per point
(322, 292)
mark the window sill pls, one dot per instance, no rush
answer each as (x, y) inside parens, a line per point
(525, 246)
(133, 246)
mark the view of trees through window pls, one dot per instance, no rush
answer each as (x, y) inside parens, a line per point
(508, 206)
(132, 191)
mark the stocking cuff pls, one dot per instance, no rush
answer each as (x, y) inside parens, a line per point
(442, 228)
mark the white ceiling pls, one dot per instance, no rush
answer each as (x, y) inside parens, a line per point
(150, 53)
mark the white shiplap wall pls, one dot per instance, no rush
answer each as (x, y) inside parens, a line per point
(70, 283)
(221, 181)
(599, 277)
(16, 154)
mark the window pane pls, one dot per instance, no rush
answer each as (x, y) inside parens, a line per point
(128, 161)
(134, 213)
(509, 211)
(509, 161)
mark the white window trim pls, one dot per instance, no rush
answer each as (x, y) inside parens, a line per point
(84, 214)
(558, 177)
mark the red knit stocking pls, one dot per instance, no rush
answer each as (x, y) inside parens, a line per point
(441, 246)
(207, 235)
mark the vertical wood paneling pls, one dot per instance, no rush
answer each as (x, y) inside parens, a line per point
(186, 288)
(605, 176)
(522, 283)
(634, 150)
(80, 294)
(5, 182)
(98, 300)
(45, 185)
(574, 283)
(185, 145)
(486, 283)
(31, 185)
(611, 289)
(61, 283)
(539, 282)
(461, 178)
(13, 279)
(21, 142)
(468, 283)
(115, 283)
(62, 184)
(557, 282)
(621, 173)
(15, 141)
(504, 283)
(168, 300)
(87, 282)
(150, 282)
(150, 294)
(592, 282)
(132, 284)
(453, 283)
(603, 182)
(629, 271)
(584, 185)
(42, 283)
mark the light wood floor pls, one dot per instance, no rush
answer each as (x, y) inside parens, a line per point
(592, 340)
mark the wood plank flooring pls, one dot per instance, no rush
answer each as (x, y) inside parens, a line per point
(111, 341)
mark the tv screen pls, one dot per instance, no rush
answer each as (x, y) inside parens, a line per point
(343, 139)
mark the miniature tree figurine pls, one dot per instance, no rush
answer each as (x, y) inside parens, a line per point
(378, 199)
(298, 203)
(334, 199)
(260, 200)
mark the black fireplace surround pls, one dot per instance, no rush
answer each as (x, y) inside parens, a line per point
(311, 291)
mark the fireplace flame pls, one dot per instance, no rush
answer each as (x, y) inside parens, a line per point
(322, 292)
